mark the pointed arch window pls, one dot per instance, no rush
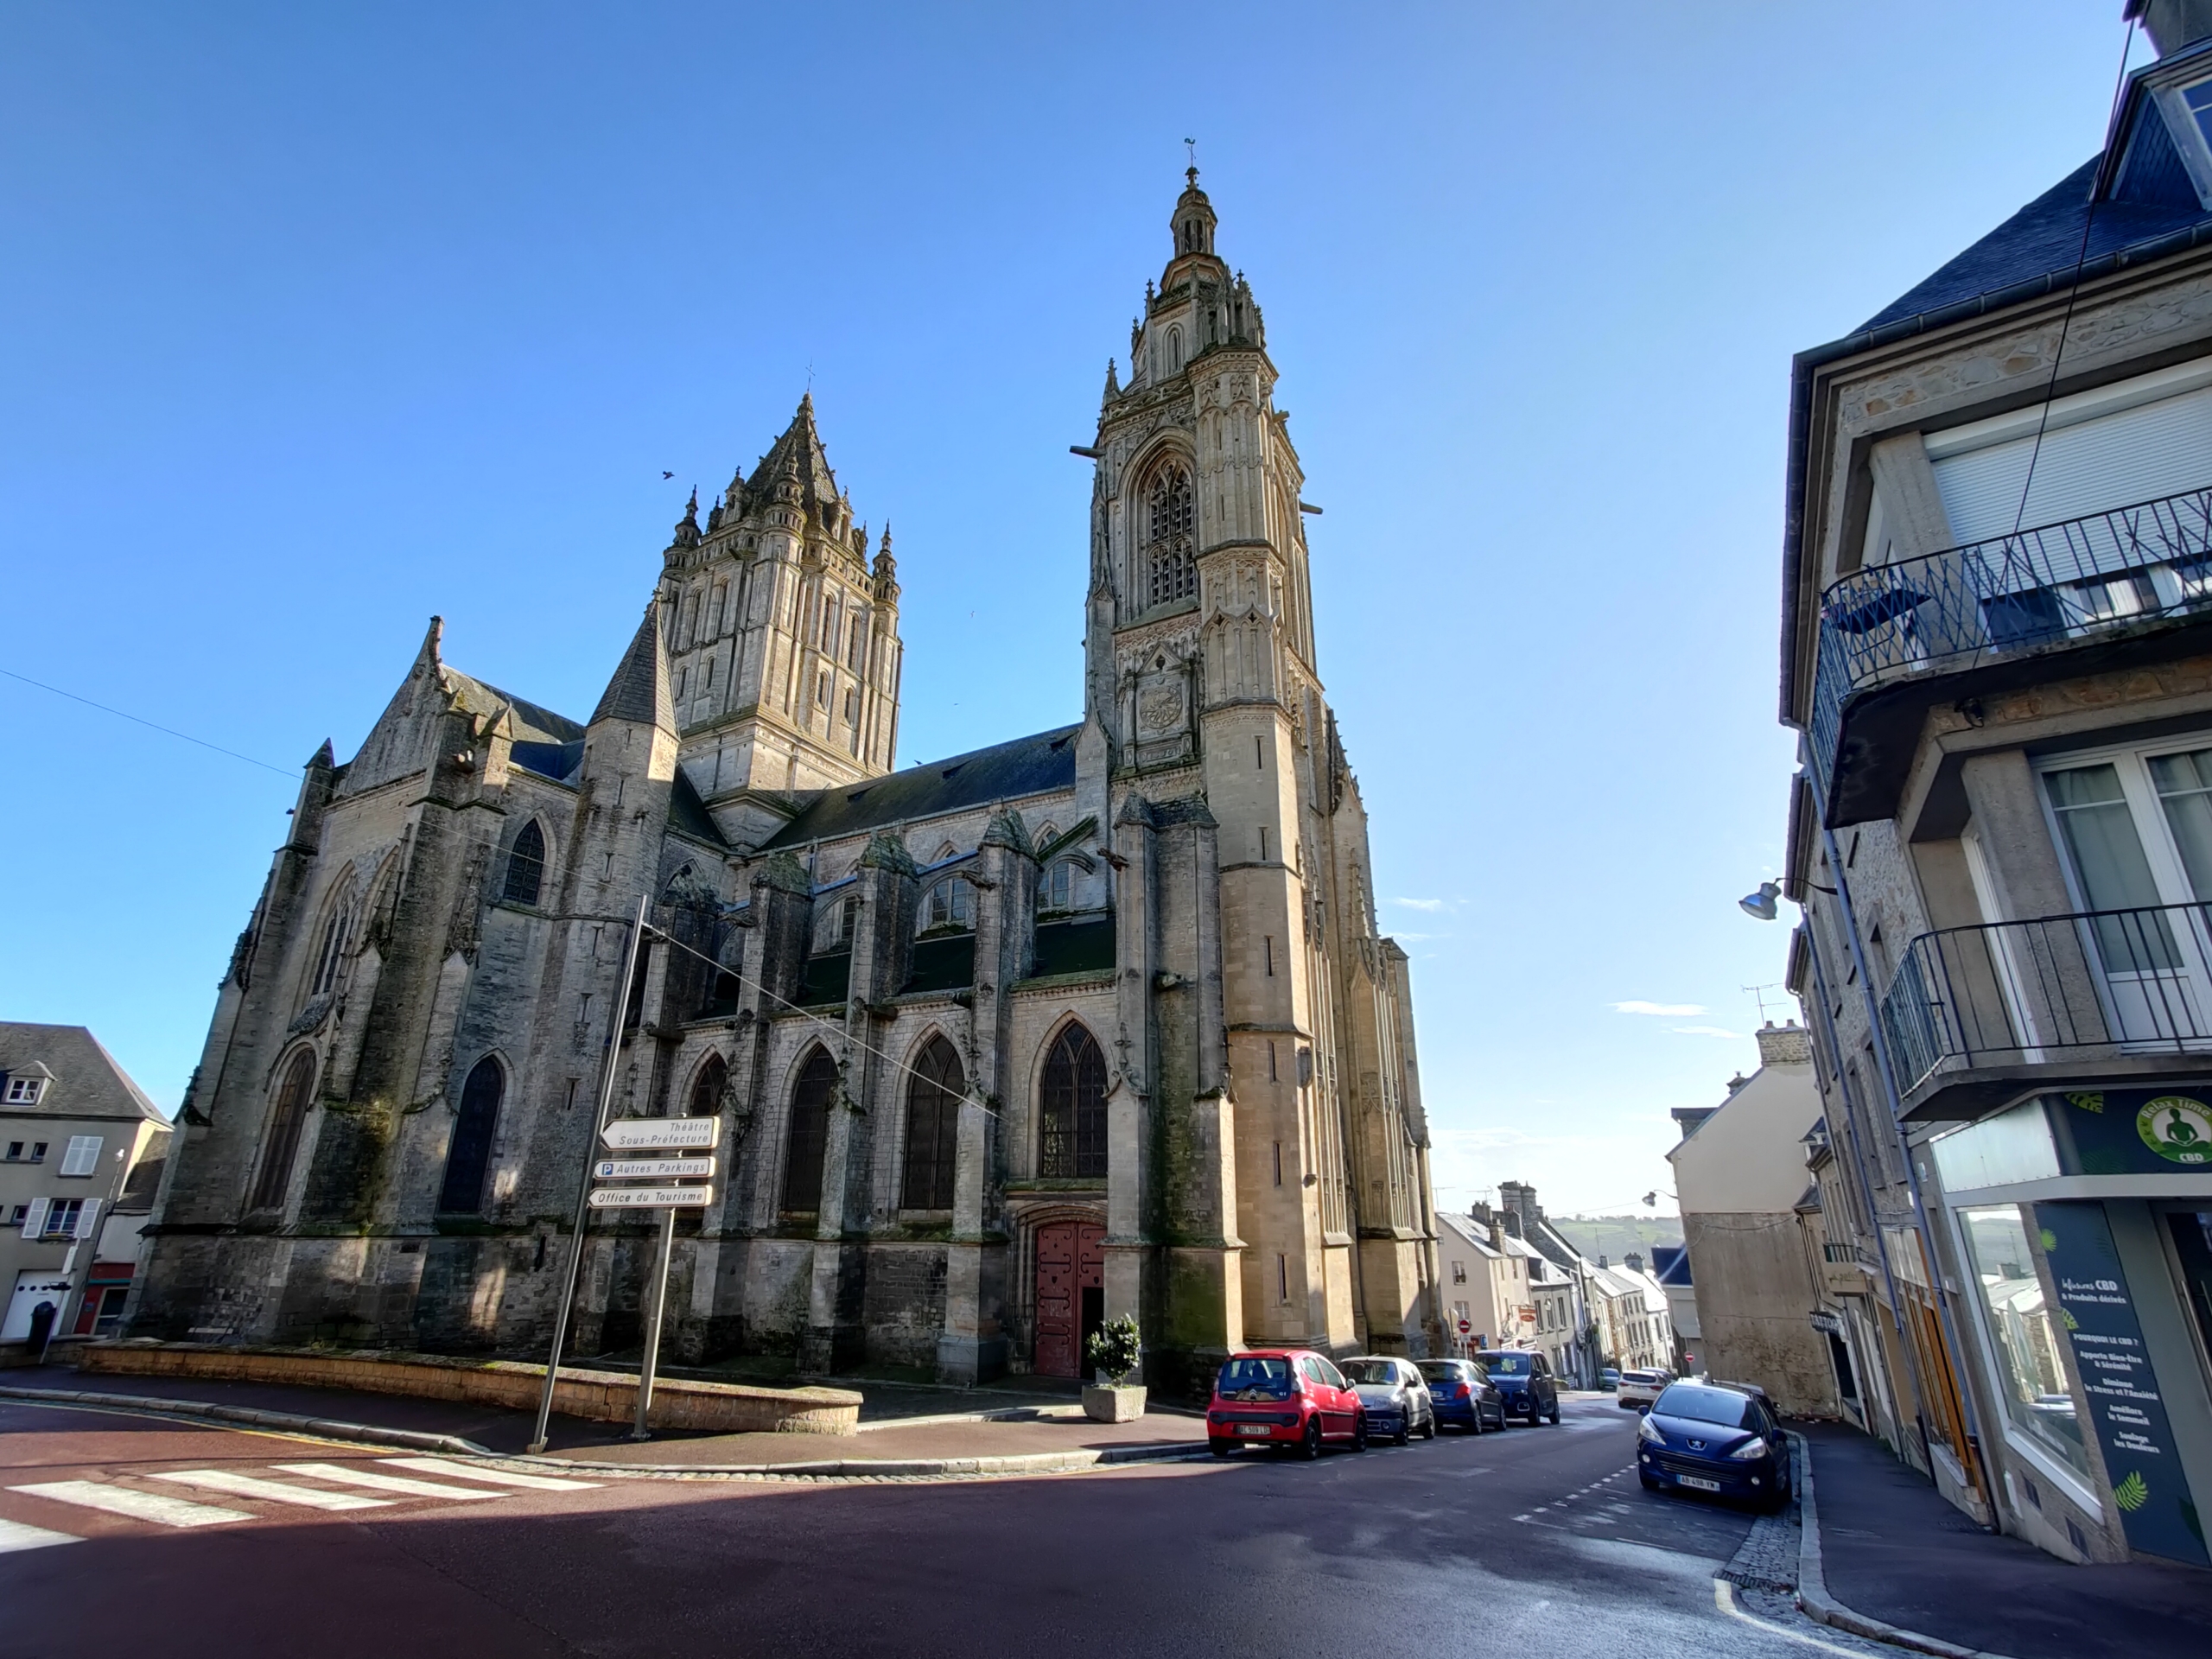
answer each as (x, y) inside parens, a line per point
(707, 1088)
(933, 1096)
(1073, 1109)
(283, 1143)
(1058, 886)
(336, 933)
(949, 907)
(470, 1156)
(1171, 556)
(525, 866)
(810, 1133)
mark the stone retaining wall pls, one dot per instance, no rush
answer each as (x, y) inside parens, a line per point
(598, 1397)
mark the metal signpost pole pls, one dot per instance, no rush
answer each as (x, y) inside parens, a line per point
(615, 1018)
(652, 1324)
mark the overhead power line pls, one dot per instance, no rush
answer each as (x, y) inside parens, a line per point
(154, 725)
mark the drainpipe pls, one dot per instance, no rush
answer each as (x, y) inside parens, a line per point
(1893, 1097)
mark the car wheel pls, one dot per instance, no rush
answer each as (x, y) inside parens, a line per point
(1221, 1448)
(1405, 1434)
(1650, 1484)
(1310, 1447)
(1552, 1416)
(1428, 1427)
(1359, 1431)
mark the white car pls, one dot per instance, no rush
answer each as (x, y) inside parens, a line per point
(1639, 1389)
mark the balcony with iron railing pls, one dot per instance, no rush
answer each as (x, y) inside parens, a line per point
(1896, 639)
(1975, 1016)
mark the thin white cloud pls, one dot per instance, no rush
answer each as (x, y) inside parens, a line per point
(1402, 937)
(1417, 904)
(1664, 1010)
(1705, 1030)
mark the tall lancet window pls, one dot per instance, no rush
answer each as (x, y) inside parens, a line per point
(1171, 559)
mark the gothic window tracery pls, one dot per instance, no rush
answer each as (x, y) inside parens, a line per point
(284, 1128)
(525, 866)
(707, 1088)
(1072, 1114)
(950, 905)
(470, 1155)
(809, 1132)
(1171, 557)
(933, 1095)
(336, 934)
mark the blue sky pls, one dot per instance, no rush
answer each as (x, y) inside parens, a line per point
(321, 320)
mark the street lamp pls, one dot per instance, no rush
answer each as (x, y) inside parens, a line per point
(1760, 906)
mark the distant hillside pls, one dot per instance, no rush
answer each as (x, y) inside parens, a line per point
(1614, 1237)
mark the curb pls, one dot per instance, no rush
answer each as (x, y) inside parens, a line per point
(327, 1427)
(1813, 1585)
(1033, 1463)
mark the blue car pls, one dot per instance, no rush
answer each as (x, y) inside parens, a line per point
(1716, 1440)
(1524, 1379)
(1463, 1394)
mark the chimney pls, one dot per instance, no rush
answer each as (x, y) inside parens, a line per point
(1497, 1235)
(1602, 1262)
(1789, 1045)
(1633, 1261)
(2173, 24)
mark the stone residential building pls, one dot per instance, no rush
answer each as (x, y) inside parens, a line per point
(1997, 648)
(1093, 1021)
(76, 1135)
(1739, 1176)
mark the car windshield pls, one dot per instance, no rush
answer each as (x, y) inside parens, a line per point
(1270, 1378)
(1442, 1370)
(1701, 1405)
(1640, 1376)
(1504, 1364)
(1369, 1371)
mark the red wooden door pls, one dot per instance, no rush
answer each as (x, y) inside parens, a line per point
(1071, 1259)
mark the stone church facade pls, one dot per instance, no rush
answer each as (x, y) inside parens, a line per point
(1094, 1022)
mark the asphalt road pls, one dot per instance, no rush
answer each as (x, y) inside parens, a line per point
(1535, 1542)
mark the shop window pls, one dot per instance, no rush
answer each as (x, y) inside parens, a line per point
(2038, 1399)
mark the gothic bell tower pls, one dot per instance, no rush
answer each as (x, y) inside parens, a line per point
(783, 639)
(1200, 674)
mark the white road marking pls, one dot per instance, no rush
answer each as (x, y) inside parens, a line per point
(380, 1483)
(1724, 1598)
(15, 1536)
(496, 1477)
(276, 1491)
(139, 1506)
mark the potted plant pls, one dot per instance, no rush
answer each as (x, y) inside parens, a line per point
(1116, 1350)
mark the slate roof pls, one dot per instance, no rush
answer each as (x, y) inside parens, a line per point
(801, 447)
(1027, 766)
(638, 692)
(688, 813)
(534, 723)
(86, 1081)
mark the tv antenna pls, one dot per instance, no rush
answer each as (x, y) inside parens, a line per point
(1759, 993)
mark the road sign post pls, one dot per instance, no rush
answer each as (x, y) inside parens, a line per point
(651, 1362)
(614, 1015)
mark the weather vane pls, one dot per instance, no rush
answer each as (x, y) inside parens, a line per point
(1192, 145)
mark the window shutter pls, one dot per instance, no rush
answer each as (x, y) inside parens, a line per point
(87, 1218)
(83, 1156)
(34, 1218)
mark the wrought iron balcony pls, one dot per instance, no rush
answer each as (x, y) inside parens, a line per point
(1931, 618)
(2099, 985)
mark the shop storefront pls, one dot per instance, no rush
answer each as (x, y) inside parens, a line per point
(2081, 1227)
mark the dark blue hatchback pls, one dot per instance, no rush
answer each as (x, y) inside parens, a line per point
(1708, 1438)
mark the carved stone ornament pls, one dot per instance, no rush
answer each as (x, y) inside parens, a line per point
(1161, 709)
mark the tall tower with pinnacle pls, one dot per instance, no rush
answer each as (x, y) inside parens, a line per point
(783, 639)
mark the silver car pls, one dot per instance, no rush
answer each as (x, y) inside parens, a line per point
(1395, 1395)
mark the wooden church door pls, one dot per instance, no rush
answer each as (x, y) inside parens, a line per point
(1070, 1294)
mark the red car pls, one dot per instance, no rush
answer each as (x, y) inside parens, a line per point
(1288, 1397)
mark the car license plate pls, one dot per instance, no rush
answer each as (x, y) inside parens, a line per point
(1698, 1481)
(1253, 1428)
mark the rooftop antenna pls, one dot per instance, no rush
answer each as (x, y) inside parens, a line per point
(1759, 991)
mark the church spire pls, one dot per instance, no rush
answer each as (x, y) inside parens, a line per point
(639, 693)
(1193, 222)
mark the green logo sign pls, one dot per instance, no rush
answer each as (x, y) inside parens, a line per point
(2178, 1129)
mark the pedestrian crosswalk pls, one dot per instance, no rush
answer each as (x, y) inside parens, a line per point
(284, 1486)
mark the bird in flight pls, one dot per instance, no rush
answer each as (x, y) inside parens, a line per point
(668, 475)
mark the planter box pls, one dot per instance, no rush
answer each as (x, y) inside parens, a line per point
(1104, 1403)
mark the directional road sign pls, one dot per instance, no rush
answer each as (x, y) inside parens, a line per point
(650, 1198)
(652, 1169)
(662, 1133)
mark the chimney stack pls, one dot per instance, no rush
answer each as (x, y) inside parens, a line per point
(1789, 1045)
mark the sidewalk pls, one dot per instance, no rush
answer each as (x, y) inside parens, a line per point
(1893, 1550)
(947, 1440)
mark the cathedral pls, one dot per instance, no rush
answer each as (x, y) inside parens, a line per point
(1091, 1022)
